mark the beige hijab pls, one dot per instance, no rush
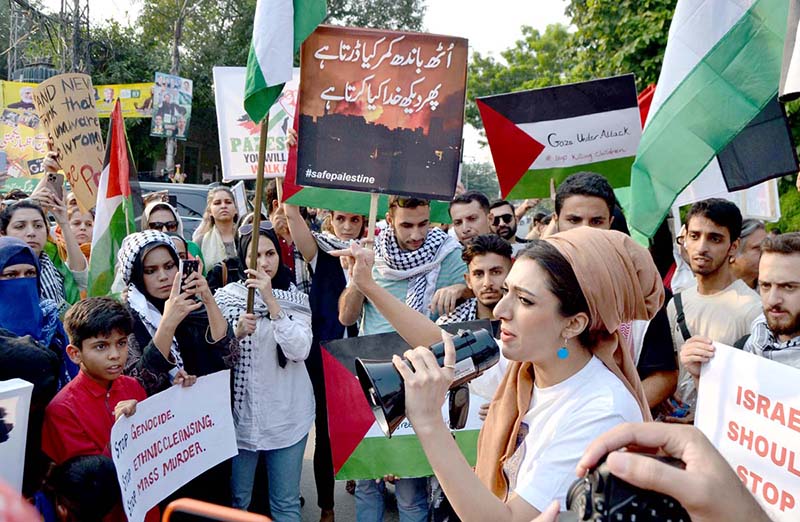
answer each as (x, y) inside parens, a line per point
(620, 284)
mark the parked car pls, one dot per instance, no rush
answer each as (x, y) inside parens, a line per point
(188, 199)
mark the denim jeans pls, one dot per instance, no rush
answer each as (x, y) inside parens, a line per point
(412, 500)
(283, 468)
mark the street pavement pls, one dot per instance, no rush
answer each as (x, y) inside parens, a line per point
(345, 503)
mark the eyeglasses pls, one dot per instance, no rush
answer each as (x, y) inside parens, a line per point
(506, 218)
(171, 226)
(247, 229)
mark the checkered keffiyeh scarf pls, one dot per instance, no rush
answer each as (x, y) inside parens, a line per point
(232, 301)
(420, 266)
(52, 282)
(467, 311)
(126, 258)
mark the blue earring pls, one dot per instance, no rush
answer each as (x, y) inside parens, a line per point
(563, 352)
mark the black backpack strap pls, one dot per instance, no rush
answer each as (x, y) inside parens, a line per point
(680, 317)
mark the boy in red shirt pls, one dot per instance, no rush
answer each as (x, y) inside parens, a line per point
(79, 419)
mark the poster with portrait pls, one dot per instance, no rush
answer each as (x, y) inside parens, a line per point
(24, 140)
(239, 136)
(172, 107)
(381, 111)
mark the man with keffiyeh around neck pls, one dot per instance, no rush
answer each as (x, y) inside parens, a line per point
(412, 261)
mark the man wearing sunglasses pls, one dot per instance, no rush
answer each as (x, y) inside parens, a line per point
(503, 221)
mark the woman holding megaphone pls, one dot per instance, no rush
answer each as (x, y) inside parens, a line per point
(570, 375)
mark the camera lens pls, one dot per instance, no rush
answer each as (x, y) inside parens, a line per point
(578, 497)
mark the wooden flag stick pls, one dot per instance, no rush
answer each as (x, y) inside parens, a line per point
(373, 212)
(256, 222)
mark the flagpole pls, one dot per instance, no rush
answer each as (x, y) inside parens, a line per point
(262, 150)
(373, 212)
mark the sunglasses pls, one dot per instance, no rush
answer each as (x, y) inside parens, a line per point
(171, 226)
(505, 218)
(247, 229)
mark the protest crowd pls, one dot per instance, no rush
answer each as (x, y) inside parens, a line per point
(603, 344)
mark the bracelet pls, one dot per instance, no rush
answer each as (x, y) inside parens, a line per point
(208, 333)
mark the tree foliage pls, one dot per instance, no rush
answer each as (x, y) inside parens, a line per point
(621, 36)
(481, 177)
(379, 14)
(536, 60)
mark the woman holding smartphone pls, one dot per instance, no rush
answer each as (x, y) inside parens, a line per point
(177, 325)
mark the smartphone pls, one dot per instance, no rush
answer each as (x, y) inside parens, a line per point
(56, 183)
(190, 510)
(186, 267)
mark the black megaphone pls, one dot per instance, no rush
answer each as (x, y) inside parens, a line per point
(476, 352)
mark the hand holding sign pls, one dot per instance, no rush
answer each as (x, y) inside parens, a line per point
(66, 106)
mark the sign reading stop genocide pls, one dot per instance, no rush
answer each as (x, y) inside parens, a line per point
(173, 437)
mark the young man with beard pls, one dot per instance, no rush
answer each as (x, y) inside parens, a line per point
(720, 306)
(412, 261)
(586, 199)
(775, 334)
(488, 259)
(504, 223)
(470, 215)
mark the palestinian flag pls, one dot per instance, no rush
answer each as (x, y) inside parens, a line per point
(114, 214)
(279, 28)
(550, 133)
(342, 200)
(721, 68)
(790, 74)
(358, 446)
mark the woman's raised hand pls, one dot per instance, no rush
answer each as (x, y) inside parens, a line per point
(196, 284)
(358, 262)
(179, 305)
(259, 280)
(246, 325)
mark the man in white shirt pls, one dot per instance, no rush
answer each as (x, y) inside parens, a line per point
(775, 334)
(720, 307)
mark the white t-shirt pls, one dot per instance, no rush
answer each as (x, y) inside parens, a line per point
(562, 421)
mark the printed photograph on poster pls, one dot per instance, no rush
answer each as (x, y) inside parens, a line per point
(381, 111)
(171, 107)
(239, 135)
(24, 142)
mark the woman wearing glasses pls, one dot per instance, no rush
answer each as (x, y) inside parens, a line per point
(273, 402)
(160, 215)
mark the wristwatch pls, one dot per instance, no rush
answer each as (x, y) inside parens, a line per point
(278, 317)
